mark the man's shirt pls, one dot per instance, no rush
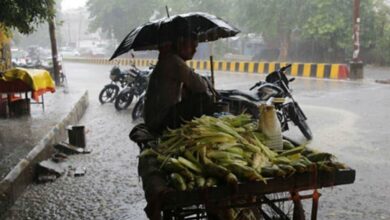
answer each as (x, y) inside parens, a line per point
(170, 80)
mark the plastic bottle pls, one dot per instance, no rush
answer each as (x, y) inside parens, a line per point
(270, 126)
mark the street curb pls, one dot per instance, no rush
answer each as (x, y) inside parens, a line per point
(13, 185)
(314, 70)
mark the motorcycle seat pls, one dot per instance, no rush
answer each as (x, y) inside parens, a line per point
(235, 92)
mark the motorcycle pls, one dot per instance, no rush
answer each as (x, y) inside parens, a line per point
(134, 88)
(274, 90)
(119, 79)
(138, 111)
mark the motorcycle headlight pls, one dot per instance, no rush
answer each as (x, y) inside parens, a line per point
(114, 73)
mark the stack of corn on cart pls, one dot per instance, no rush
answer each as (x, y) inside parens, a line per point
(224, 164)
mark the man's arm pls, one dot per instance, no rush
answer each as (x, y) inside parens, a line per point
(192, 81)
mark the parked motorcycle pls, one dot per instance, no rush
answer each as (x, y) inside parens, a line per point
(274, 90)
(138, 111)
(119, 79)
(133, 89)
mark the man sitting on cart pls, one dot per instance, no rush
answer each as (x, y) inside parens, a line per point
(175, 92)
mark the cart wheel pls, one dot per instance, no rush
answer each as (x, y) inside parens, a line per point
(277, 206)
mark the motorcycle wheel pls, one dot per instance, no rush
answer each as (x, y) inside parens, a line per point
(300, 120)
(108, 93)
(302, 125)
(123, 100)
(138, 111)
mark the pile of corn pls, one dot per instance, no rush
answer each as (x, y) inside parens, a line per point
(212, 151)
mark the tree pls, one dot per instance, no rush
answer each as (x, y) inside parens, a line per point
(24, 15)
(120, 17)
(40, 35)
(273, 19)
(317, 30)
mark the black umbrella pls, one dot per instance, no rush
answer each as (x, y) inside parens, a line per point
(147, 37)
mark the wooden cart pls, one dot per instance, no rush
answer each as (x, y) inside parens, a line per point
(266, 198)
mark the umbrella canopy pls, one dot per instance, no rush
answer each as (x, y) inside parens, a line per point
(148, 36)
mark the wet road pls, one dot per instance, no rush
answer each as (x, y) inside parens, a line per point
(348, 119)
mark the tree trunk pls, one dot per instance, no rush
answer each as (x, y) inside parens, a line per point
(5, 51)
(284, 46)
(54, 52)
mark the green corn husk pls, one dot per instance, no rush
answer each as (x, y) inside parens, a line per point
(272, 171)
(287, 145)
(211, 181)
(295, 150)
(189, 156)
(174, 167)
(206, 150)
(290, 170)
(226, 162)
(189, 165)
(236, 150)
(245, 172)
(212, 169)
(223, 155)
(178, 182)
(200, 181)
(191, 185)
(231, 179)
(319, 157)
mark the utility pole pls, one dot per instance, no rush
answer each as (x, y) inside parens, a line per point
(356, 31)
(356, 66)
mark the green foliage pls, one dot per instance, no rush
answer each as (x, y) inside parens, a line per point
(326, 25)
(25, 15)
(121, 16)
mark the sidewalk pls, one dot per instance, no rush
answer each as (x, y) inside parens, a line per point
(26, 140)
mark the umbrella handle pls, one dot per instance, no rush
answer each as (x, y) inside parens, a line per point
(212, 71)
(166, 8)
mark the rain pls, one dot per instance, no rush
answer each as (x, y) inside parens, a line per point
(154, 86)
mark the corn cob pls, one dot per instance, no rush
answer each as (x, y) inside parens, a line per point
(295, 150)
(281, 160)
(245, 172)
(287, 145)
(290, 170)
(272, 171)
(212, 169)
(171, 166)
(148, 152)
(189, 165)
(191, 185)
(321, 156)
(211, 181)
(236, 150)
(178, 182)
(189, 156)
(221, 155)
(299, 167)
(226, 162)
(256, 161)
(232, 180)
(200, 181)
